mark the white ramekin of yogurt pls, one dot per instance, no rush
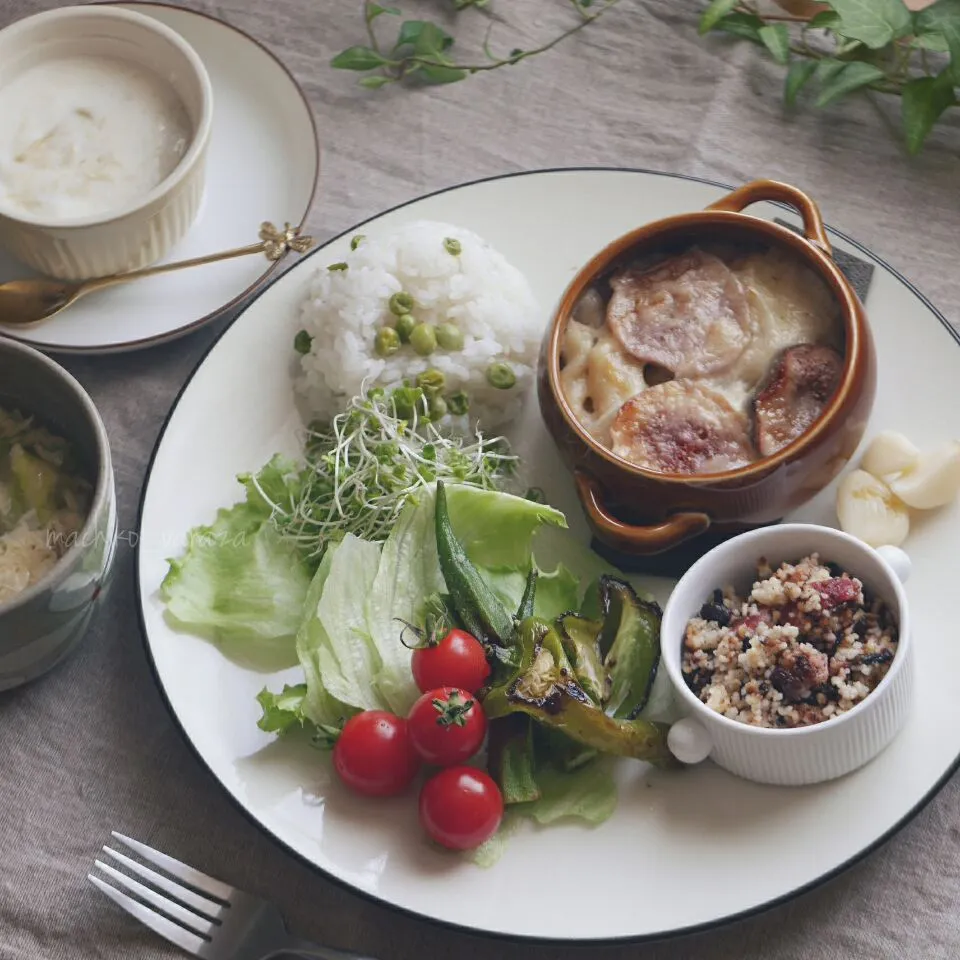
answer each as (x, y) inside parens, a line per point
(106, 117)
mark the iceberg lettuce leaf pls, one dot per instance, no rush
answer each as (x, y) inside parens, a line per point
(239, 584)
(341, 615)
(319, 705)
(408, 574)
(497, 529)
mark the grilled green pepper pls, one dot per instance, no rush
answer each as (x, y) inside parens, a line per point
(630, 645)
(545, 688)
(581, 643)
(475, 603)
(616, 654)
(529, 595)
(565, 754)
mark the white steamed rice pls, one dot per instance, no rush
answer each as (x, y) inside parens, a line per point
(489, 300)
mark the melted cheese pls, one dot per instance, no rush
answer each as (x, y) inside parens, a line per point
(789, 305)
(786, 304)
(598, 376)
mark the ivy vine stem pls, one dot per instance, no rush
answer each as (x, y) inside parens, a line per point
(777, 18)
(407, 58)
(588, 18)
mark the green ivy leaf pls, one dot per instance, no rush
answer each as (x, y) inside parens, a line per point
(825, 20)
(943, 18)
(923, 100)
(425, 37)
(828, 69)
(433, 38)
(715, 12)
(443, 70)
(374, 10)
(875, 23)
(776, 39)
(935, 42)
(850, 77)
(375, 82)
(429, 42)
(442, 74)
(745, 25)
(409, 31)
(357, 58)
(799, 73)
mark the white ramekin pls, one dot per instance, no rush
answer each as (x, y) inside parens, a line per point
(142, 232)
(803, 755)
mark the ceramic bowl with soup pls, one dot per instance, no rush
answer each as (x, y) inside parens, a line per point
(106, 120)
(57, 513)
(706, 374)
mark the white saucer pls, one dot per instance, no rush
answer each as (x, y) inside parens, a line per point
(264, 163)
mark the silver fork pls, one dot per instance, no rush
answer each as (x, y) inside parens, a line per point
(201, 915)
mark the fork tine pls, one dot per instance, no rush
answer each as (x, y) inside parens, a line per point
(203, 906)
(209, 886)
(159, 924)
(169, 907)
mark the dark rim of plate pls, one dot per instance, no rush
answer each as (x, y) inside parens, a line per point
(479, 931)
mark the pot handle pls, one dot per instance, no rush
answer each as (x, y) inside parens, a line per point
(636, 539)
(757, 190)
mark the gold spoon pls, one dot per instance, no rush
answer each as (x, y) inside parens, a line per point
(24, 302)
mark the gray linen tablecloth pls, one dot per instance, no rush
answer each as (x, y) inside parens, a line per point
(91, 747)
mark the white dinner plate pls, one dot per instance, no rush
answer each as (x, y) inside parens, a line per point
(684, 849)
(263, 164)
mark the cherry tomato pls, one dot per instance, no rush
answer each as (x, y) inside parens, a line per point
(457, 660)
(460, 807)
(374, 754)
(447, 726)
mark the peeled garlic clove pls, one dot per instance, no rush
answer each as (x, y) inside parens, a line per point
(933, 481)
(867, 509)
(889, 453)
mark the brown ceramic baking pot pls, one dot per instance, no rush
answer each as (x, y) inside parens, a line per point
(641, 512)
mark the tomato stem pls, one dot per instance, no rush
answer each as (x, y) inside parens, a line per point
(428, 636)
(453, 711)
(327, 735)
(423, 641)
